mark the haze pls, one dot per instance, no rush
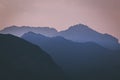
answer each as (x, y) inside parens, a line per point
(101, 15)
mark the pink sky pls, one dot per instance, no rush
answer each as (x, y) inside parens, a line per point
(101, 15)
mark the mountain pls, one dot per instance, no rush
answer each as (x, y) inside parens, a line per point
(19, 31)
(82, 33)
(80, 61)
(21, 60)
(77, 33)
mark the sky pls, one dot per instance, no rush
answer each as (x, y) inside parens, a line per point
(101, 15)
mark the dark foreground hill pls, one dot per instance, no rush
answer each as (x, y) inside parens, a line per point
(21, 60)
(81, 61)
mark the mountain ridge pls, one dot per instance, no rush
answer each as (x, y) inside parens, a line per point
(76, 33)
(78, 60)
(19, 31)
(22, 60)
(82, 33)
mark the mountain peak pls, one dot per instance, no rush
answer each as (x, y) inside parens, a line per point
(82, 33)
(79, 26)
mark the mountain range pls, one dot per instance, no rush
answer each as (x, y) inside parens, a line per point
(80, 61)
(22, 60)
(19, 31)
(43, 53)
(82, 33)
(77, 33)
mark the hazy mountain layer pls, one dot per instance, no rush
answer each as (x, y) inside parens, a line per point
(82, 33)
(19, 31)
(81, 61)
(77, 33)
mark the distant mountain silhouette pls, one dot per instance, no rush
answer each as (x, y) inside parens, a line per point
(81, 61)
(21, 60)
(76, 33)
(82, 33)
(19, 31)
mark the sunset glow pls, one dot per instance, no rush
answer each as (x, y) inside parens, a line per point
(101, 15)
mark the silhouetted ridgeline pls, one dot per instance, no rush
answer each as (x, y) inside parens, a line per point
(80, 61)
(82, 33)
(77, 33)
(19, 31)
(82, 53)
(21, 60)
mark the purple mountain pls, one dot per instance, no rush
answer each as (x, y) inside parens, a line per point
(76, 33)
(82, 33)
(80, 61)
(19, 31)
